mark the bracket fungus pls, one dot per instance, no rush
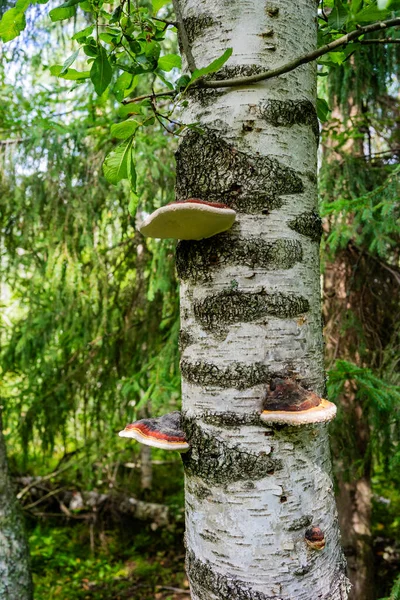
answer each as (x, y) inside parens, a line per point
(160, 432)
(191, 219)
(315, 538)
(288, 403)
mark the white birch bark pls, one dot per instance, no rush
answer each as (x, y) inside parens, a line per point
(250, 310)
(15, 576)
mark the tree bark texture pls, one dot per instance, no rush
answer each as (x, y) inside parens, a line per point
(15, 577)
(250, 311)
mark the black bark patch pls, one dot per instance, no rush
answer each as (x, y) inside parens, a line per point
(272, 10)
(228, 307)
(205, 96)
(205, 580)
(195, 26)
(233, 71)
(286, 113)
(211, 169)
(300, 523)
(200, 491)
(217, 462)
(230, 419)
(208, 536)
(237, 375)
(308, 224)
(185, 339)
(195, 261)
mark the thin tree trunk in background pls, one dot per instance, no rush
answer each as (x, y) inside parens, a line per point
(251, 311)
(146, 468)
(354, 498)
(15, 577)
(354, 505)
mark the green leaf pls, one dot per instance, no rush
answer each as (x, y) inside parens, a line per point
(169, 62)
(165, 81)
(182, 82)
(131, 170)
(129, 109)
(157, 4)
(133, 204)
(64, 11)
(84, 33)
(333, 58)
(91, 49)
(110, 38)
(22, 5)
(116, 14)
(123, 82)
(101, 72)
(322, 110)
(123, 130)
(115, 166)
(356, 6)
(383, 4)
(69, 62)
(11, 25)
(338, 16)
(371, 13)
(212, 67)
(152, 50)
(61, 13)
(70, 74)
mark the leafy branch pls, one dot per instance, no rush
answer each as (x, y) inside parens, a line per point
(306, 58)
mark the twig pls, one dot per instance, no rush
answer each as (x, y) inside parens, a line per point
(13, 141)
(184, 38)
(173, 23)
(145, 96)
(301, 60)
(52, 493)
(168, 588)
(381, 41)
(290, 66)
(26, 489)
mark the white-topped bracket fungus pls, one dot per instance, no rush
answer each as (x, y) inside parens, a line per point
(159, 432)
(288, 403)
(191, 219)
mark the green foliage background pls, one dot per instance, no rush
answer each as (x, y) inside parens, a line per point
(89, 324)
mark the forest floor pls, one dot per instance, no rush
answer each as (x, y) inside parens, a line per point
(75, 562)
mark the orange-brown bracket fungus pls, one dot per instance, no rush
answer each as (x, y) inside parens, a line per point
(288, 403)
(160, 432)
(315, 538)
(191, 219)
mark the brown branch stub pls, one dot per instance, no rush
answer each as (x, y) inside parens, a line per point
(315, 538)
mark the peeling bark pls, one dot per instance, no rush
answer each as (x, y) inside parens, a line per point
(250, 313)
(15, 577)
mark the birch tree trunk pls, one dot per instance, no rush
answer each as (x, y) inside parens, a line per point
(15, 578)
(250, 311)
